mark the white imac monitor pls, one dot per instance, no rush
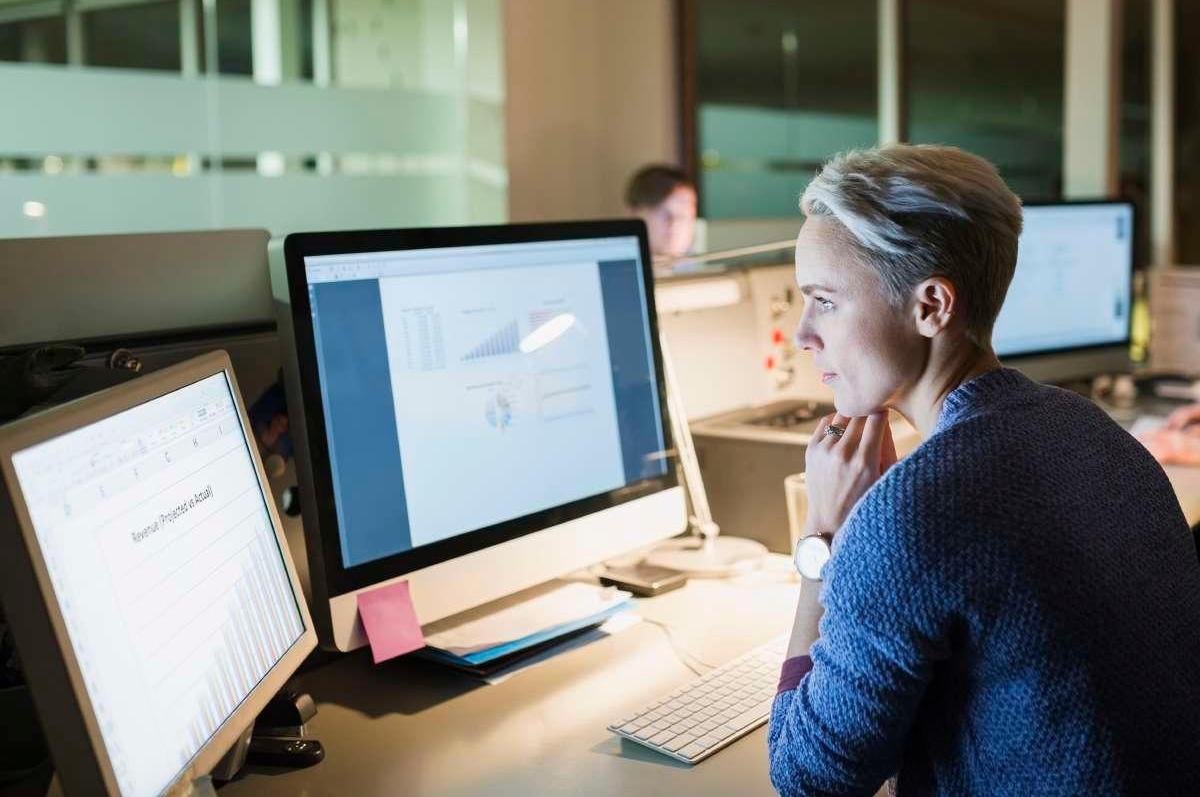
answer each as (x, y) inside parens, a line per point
(1069, 307)
(152, 598)
(475, 409)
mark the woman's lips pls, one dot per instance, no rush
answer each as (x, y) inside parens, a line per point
(827, 376)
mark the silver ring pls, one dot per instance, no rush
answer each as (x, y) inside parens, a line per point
(834, 431)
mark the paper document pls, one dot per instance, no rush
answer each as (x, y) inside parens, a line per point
(613, 625)
(553, 607)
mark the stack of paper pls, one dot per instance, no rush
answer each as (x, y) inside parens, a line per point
(481, 643)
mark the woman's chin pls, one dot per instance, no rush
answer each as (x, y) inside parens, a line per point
(847, 407)
(851, 407)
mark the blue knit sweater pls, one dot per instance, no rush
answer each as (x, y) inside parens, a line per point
(1013, 609)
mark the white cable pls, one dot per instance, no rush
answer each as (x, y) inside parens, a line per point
(679, 650)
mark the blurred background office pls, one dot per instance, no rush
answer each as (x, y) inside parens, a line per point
(136, 115)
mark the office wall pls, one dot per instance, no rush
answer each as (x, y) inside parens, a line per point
(591, 95)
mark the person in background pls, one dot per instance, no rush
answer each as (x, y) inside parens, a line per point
(1011, 609)
(665, 198)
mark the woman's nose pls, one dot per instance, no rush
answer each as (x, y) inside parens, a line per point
(804, 338)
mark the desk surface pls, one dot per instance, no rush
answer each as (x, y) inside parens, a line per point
(412, 727)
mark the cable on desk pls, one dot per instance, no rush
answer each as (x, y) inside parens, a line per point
(680, 652)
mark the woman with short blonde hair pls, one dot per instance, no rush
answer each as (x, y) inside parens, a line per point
(1013, 608)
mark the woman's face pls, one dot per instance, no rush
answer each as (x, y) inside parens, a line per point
(869, 352)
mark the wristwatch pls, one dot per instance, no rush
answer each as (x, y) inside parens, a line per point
(812, 552)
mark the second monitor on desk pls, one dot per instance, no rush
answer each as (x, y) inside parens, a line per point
(476, 409)
(1068, 312)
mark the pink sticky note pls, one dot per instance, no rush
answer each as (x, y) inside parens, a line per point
(391, 624)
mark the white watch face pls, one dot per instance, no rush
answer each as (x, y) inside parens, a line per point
(811, 555)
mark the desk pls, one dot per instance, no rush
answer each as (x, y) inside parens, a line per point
(411, 727)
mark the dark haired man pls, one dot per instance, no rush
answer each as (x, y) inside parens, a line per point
(665, 198)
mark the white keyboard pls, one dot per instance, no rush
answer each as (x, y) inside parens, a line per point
(723, 705)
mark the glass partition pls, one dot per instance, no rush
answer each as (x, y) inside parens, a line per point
(133, 116)
(781, 86)
(987, 76)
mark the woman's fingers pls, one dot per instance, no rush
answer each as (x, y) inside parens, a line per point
(842, 422)
(854, 434)
(822, 425)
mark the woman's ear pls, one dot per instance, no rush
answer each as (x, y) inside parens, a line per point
(935, 305)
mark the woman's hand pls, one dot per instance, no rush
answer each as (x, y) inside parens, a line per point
(841, 469)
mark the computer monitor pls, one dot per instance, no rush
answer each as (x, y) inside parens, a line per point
(1068, 310)
(475, 409)
(151, 595)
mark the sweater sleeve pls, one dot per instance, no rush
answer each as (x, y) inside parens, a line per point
(841, 730)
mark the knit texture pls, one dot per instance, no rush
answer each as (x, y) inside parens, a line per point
(1013, 609)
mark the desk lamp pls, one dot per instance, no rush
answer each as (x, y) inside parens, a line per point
(703, 552)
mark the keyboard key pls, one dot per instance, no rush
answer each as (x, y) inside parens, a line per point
(679, 742)
(662, 737)
(713, 738)
(697, 718)
(747, 717)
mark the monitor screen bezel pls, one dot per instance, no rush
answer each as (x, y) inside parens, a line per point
(1026, 356)
(67, 715)
(332, 574)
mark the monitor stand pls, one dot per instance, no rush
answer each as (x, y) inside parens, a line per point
(231, 763)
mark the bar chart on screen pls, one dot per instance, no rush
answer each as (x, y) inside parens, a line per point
(210, 608)
(250, 642)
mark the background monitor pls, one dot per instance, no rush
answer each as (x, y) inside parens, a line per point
(150, 591)
(1069, 307)
(483, 409)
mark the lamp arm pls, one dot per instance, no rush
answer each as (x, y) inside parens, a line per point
(702, 521)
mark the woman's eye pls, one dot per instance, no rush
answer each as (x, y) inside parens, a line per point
(824, 304)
